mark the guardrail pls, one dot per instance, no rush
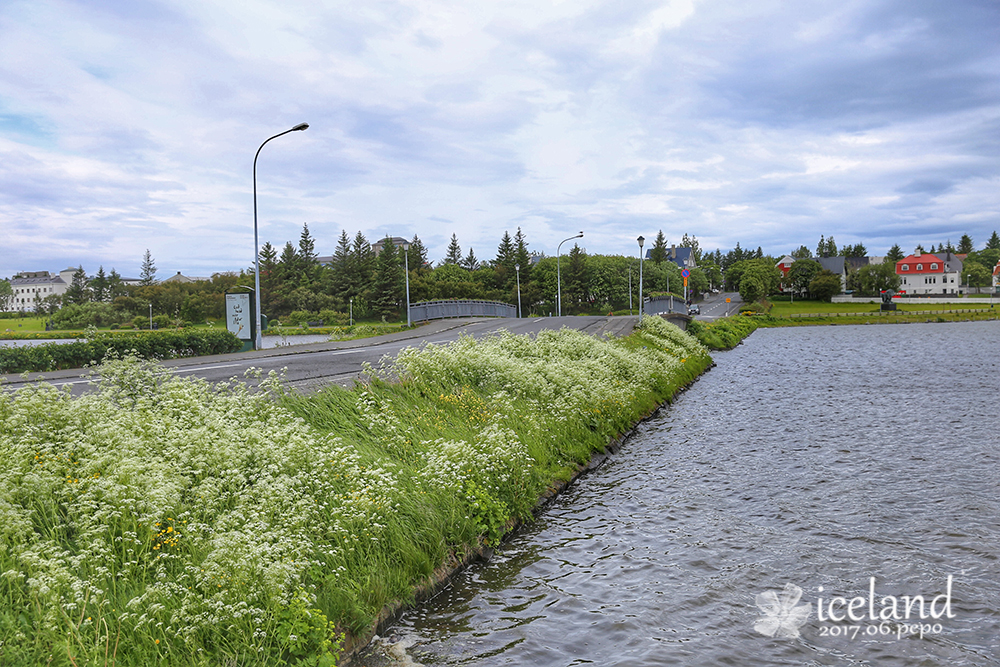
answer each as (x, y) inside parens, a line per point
(439, 310)
(659, 305)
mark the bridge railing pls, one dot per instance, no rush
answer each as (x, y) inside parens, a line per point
(437, 310)
(658, 305)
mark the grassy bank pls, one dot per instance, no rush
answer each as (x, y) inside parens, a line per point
(164, 521)
(724, 333)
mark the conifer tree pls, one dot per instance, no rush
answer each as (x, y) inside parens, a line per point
(389, 282)
(454, 255)
(77, 292)
(658, 252)
(470, 262)
(99, 285)
(147, 274)
(965, 245)
(417, 254)
(895, 254)
(994, 242)
(522, 256)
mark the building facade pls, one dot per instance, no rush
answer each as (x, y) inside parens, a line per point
(928, 273)
(30, 288)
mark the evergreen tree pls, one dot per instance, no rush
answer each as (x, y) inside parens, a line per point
(361, 266)
(268, 261)
(147, 274)
(308, 259)
(470, 262)
(965, 244)
(77, 292)
(895, 254)
(503, 265)
(692, 242)
(116, 286)
(949, 247)
(919, 250)
(99, 285)
(454, 255)
(417, 254)
(288, 264)
(522, 256)
(802, 253)
(388, 286)
(658, 252)
(994, 242)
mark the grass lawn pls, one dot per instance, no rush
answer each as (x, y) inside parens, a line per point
(785, 309)
(22, 324)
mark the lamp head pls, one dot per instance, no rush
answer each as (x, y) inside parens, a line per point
(517, 267)
(640, 240)
(300, 126)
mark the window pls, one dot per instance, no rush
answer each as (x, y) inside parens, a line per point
(904, 267)
(920, 267)
(933, 267)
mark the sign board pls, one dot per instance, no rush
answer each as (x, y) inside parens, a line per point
(685, 273)
(239, 315)
(728, 299)
(685, 281)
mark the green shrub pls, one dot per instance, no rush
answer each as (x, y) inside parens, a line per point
(152, 345)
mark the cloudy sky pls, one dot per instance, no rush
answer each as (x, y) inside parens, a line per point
(127, 125)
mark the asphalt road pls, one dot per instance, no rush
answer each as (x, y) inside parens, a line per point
(715, 307)
(313, 365)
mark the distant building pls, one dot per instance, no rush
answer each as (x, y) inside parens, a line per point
(928, 273)
(682, 257)
(31, 287)
(178, 278)
(996, 277)
(396, 241)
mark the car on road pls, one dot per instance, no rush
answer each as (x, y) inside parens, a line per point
(694, 310)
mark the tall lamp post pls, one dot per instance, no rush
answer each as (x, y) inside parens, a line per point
(641, 309)
(259, 341)
(630, 288)
(558, 275)
(406, 269)
(517, 269)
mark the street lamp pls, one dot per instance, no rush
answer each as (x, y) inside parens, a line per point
(258, 342)
(630, 289)
(558, 275)
(517, 269)
(406, 268)
(641, 309)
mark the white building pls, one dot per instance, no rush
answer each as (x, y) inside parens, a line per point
(928, 273)
(31, 287)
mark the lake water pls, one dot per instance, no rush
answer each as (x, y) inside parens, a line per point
(819, 457)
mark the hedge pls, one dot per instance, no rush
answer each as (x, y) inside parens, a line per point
(149, 345)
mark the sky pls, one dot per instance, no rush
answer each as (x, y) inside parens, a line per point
(127, 126)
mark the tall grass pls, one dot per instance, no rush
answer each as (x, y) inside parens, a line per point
(165, 521)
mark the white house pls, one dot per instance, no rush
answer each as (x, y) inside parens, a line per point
(927, 273)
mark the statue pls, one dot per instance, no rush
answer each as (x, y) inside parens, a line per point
(887, 303)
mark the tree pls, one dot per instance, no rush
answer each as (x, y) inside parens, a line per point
(454, 255)
(147, 274)
(994, 242)
(919, 250)
(78, 292)
(389, 283)
(6, 295)
(692, 242)
(965, 244)
(976, 275)
(417, 254)
(99, 287)
(522, 256)
(576, 281)
(872, 279)
(825, 285)
(802, 273)
(658, 252)
(856, 250)
(802, 253)
(470, 263)
(307, 257)
(894, 255)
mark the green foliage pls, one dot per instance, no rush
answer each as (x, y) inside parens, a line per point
(870, 280)
(162, 520)
(92, 313)
(825, 285)
(725, 333)
(151, 345)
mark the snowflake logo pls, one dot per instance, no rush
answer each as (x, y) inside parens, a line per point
(781, 617)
